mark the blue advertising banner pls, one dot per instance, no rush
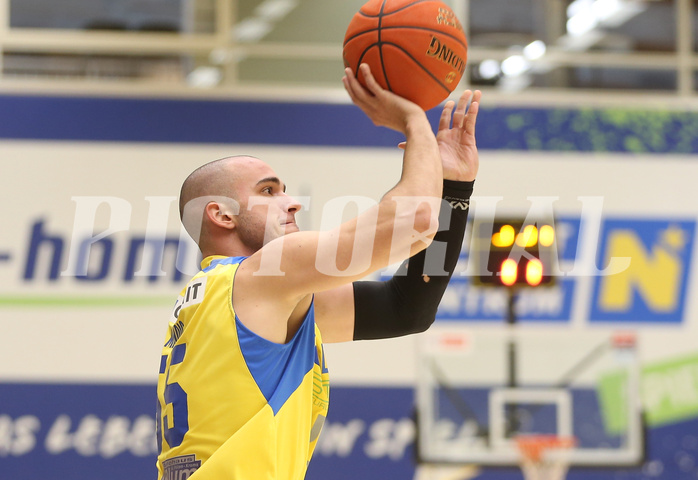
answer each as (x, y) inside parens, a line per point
(465, 302)
(77, 431)
(276, 123)
(88, 431)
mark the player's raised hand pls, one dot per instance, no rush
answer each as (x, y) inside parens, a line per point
(456, 137)
(383, 107)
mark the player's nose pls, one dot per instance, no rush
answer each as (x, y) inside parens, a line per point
(291, 205)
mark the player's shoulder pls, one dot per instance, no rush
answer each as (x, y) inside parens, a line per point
(215, 263)
(216, 272)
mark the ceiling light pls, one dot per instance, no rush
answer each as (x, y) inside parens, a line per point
(489, 69)
(582, 22)
(534, 50)
(578, 6)
(204, 77)
(515, 65)
(604, 9)
(613, 13)
(275, 9)
(251, 29)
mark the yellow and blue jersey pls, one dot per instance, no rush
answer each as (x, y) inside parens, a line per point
(232, 404)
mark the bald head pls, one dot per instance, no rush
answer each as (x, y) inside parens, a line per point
(218, 178)
(209, 179)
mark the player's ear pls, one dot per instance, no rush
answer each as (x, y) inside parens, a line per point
(221, 214)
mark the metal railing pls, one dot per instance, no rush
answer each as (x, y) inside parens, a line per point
(221, 44)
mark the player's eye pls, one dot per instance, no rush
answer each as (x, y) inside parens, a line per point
(268, 190)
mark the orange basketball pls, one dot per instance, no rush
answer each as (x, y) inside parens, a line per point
(416, 48)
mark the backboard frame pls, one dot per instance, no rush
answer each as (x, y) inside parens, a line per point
(493, 448)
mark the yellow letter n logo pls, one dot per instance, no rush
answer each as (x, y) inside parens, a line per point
(652, 288)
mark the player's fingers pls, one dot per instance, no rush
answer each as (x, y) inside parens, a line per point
(347, 82)
(402, 145)
(371, 82)
(445, 120)
(472, 115)
(357, 93)
(459, 114)
(349, 89)
(477, 95)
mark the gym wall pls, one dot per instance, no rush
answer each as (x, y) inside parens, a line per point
(90, 186)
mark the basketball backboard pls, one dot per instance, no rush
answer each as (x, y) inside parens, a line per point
(480, 388)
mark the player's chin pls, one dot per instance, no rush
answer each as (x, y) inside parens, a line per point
(290, 228)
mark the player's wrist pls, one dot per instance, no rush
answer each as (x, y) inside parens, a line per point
(416, 123)
(458, 191)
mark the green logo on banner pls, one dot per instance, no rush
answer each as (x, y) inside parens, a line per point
(614, 401)
(669, 393)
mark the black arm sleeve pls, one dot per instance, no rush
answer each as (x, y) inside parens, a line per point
(407, 303)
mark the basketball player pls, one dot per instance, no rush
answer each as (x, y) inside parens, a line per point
(243, 388)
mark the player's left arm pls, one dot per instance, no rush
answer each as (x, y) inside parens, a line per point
(407, 303)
